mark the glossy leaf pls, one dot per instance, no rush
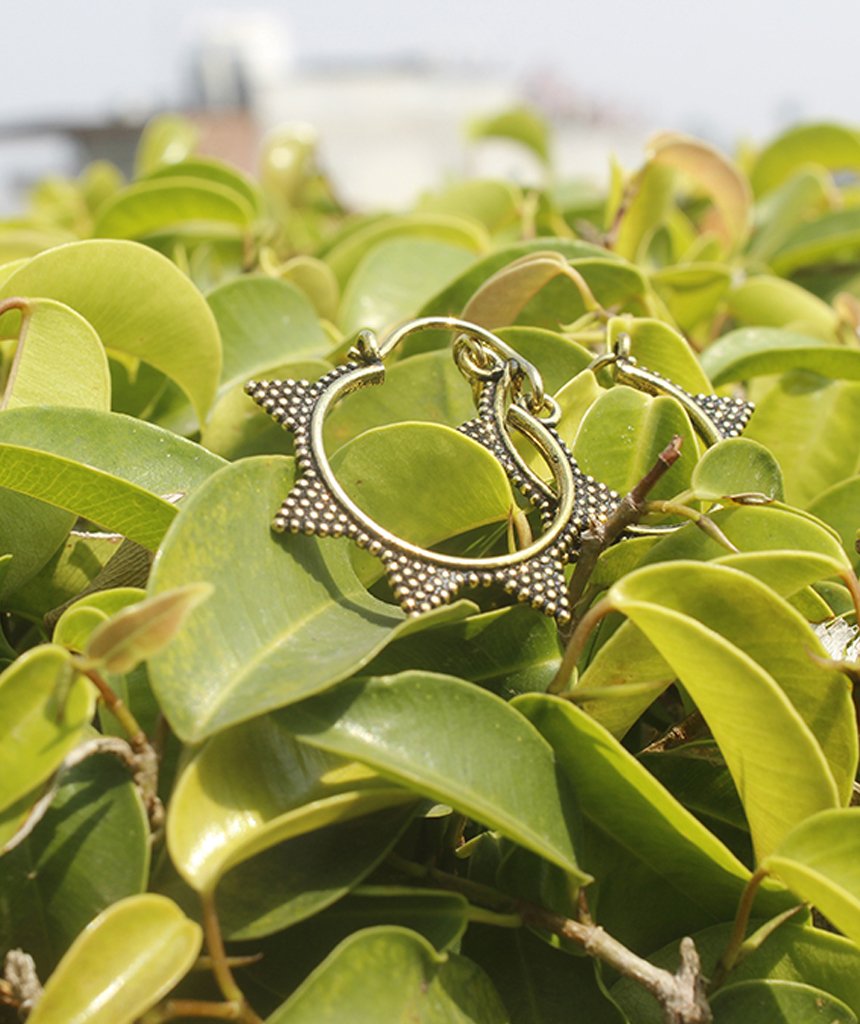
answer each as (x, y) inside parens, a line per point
(345, 257)
(112, 285)
(818, 861)
(297, 879)
(508, 651)
(59, 360)
(832, 236)
(252, 787)
(753, 351)
(166, 139)
(77, 623)
(658, 347)
(112, 503)
(45, 708)
(622, 434)
(263, 323)
(837, 507)
(263, 639)
(619, 796)
(110, 449)
(830, 145)
(691, 291)
(503, 776)
(520, 124)
(808, 424)
(539, 984)
(395, 278)
(774, 302)
(496, 204)
(418, 984)
(289, 956)
(736, 466)
(778, 1002)
(201, 208)
(425, 388)
(725, 662)
(209, 169)
(90, 850)
(121, 964)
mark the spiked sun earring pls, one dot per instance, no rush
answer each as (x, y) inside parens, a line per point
(510, 396)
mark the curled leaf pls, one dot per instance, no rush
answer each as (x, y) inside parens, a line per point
(136, 633)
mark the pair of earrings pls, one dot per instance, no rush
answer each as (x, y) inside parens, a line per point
(509, 396)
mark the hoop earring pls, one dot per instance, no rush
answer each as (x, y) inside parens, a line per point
(509, 396)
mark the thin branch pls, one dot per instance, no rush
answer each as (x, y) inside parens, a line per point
(689, 729)
(138, 763)
(682, 995)
(627, 513)
(20, 986)
(220, 963)
(733, 947)
(576, 644)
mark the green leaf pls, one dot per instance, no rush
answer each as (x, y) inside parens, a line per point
(660, 348)
(121, 964)
(252, 787)
(741, 654)
(425, 388)
(90, 850)
(802, 196)
(296, 879)
(77, 623)
(377, 469)
(622, 434)
(417, 985)
(830, 145)
(496, 204)
(837, 507)
(754, 351)
(765, 301)
(691, 291)
(834, 236)
(166, 139)
(263, 323)
(45, 708)
(345, 256)
(264, 639)
(138, 302)
(769, 1001)
(819, 862)
(736, 466)
(187, 206)
(395, 278)
(504, 775)
(620, 796)
(290, 956)
(216, 171)
(59, 360)
(108, 460)
(508, 651)
(235, 429)
(519, 124)
(809, 425)
(112, 503)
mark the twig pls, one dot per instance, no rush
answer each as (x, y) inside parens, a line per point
(730, 954)
(629, 511)
(220, 964)
(20, 986)
(690, 728)
(138, 763)
(682, 995)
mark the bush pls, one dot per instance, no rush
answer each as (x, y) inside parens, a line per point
(216, 733)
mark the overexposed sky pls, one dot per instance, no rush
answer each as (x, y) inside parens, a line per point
(722, 68)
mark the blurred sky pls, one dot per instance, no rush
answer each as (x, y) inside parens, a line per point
(723, 68)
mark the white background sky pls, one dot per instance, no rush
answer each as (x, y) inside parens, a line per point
(723, 68)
